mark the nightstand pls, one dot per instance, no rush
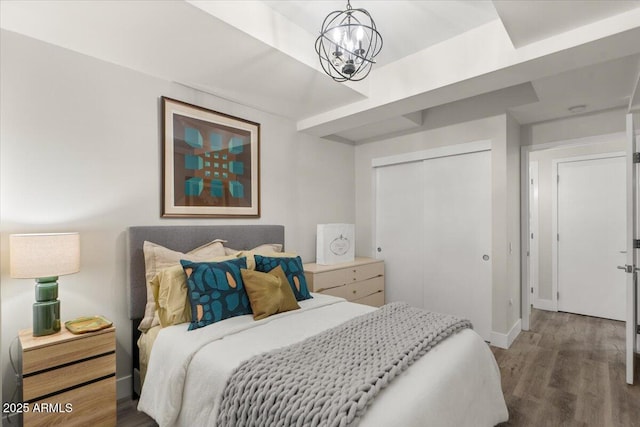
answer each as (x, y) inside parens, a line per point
(360, 281)
(69, 379)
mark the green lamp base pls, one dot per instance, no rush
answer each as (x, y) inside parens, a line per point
(46, 309)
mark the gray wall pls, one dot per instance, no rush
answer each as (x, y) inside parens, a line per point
(81, 150)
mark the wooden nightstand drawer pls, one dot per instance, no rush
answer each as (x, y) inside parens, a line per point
(51, 381)
(69, 380)
(91, 405)
(63, 347)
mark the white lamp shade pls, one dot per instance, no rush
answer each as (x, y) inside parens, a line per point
(44, 255)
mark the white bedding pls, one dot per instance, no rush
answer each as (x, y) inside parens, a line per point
(456, 384)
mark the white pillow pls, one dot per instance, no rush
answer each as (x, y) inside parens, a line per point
(157, 258)
(265, 249)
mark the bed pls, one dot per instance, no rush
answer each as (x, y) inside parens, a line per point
(457, 383)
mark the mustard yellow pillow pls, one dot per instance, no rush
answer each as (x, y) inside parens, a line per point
(169, 288)
(269, 293)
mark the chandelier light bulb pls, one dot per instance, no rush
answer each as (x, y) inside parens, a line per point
(349, 45)
(337, 36)
(337, 58)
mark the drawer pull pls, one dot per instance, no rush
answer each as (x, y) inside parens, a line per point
(354, 291)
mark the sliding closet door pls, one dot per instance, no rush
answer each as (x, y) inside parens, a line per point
(399, 225)
(433, 230)
(457, 237)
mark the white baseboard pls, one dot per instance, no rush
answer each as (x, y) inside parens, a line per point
(505, 340)
(123, 388)
(545, 304)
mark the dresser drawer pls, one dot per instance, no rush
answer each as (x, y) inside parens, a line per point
(90, 405)
(47, 382)
(353, 291)
(366, 271)
(374, 300)
(47, 356)
(327, 279)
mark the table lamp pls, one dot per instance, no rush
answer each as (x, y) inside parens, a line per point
(44, 257)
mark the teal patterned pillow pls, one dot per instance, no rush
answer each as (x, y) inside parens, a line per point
(292, 269)
(216, 291)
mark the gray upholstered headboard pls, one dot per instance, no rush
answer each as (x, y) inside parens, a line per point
(183, 238)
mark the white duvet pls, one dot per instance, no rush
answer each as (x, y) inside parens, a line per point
(457, 383)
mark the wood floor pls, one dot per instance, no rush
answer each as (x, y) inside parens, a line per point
(568, 370)
(128, 415)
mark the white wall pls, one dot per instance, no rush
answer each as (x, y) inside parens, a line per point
(504, 137)
(600, 123)
(513, 221)
(81, 150)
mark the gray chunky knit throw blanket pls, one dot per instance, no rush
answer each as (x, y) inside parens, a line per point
(329, 379)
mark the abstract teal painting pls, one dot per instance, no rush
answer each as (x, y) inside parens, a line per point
(195, 187)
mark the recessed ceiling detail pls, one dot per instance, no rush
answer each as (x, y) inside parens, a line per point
(436, 53)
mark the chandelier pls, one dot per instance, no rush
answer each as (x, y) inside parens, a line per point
(348, 43)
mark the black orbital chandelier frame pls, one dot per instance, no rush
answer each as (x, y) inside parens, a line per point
(348, 43)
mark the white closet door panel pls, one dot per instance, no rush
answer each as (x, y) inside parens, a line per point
(399, 223)
(457, 237)
(592, 237)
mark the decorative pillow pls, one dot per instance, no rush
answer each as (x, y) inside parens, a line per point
(269, 293)
(292, 268)
(157, 257)
(265, 249)
(251, 262)
(216, 291)
(170, 292)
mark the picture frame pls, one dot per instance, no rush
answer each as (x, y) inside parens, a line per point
(211, 163)
(335, 243)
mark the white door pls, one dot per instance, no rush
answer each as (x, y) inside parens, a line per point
(433, 230)
(399, 224)
(457, 238)
(591, 241)
(631, 276)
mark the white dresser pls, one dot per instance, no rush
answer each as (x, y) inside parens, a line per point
(360, 281)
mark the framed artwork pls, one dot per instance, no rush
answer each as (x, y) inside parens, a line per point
(210, 163)
(335, 243)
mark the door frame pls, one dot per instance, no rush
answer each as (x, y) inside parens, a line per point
(554, 211)
(525, 151)
(633, 297)
(534, 231)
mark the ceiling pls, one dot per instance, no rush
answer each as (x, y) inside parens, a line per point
(535, 59)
